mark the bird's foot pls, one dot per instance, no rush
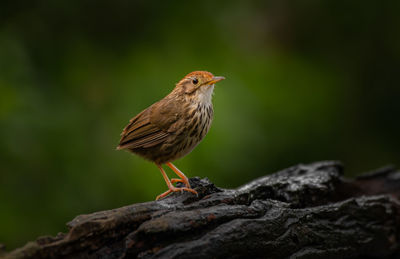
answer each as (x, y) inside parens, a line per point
(184, 181)
(177, 180)
(175, 189)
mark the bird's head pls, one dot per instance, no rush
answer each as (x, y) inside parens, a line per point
(198, 83)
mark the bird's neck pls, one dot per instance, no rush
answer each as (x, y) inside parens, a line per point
(201, 96)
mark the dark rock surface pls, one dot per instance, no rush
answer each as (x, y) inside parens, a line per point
(306, 211)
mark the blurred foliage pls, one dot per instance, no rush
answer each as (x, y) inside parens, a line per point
(306, 81)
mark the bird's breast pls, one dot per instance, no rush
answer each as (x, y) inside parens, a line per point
(197, 125)
(200, 122)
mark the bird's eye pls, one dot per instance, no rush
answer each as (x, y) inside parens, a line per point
(195, 81)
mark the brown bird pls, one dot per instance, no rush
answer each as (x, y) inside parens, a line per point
(172, 127)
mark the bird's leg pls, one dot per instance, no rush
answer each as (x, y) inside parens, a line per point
(169, 184)
(183, 177)
(171, 188)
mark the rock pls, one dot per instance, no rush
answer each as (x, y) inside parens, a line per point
(306, 211)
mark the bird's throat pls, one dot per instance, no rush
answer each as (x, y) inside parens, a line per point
(204, 95)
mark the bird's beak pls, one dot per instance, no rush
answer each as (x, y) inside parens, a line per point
(215, 79)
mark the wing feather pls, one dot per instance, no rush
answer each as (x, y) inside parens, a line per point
(152, 126)
(140, 132)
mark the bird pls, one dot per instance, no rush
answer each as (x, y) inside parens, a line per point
(172, 127)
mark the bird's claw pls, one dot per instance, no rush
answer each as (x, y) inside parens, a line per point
(175, 189)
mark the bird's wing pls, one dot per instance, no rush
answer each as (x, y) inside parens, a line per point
(140, 132)
(150, 127)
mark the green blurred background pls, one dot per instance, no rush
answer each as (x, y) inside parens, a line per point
(306, 81)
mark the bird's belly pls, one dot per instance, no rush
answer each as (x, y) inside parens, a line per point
(184, 145)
